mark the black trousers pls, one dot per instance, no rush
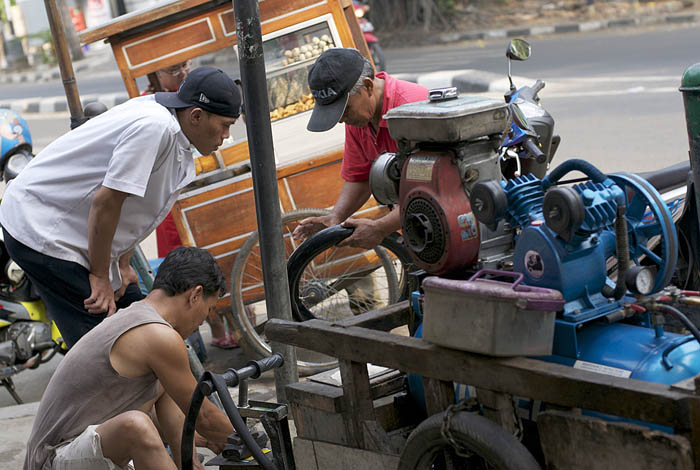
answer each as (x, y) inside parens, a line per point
(63, 286)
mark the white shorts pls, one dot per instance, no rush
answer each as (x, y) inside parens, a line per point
(84, 453)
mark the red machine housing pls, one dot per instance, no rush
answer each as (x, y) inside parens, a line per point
(437, 221)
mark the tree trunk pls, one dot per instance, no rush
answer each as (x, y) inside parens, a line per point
(76, 51)
(427, 14)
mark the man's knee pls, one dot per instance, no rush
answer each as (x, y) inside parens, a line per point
(138, 427)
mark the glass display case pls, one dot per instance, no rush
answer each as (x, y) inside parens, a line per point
(289, 53)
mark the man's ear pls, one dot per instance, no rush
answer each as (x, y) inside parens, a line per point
(196, 293)
(196, 115)
(369, 84)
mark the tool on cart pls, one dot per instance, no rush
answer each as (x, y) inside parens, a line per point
(246, 443)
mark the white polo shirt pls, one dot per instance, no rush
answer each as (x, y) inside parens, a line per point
(137, 147)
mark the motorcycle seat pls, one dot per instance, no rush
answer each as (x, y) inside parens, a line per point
(671, 177)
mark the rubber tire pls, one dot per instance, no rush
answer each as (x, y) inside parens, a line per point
(252, 345)
(471, 431)
(327, 238)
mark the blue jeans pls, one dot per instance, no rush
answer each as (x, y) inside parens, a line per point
(63, 286)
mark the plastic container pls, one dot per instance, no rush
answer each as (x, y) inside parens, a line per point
(490, 317)
(451, 121)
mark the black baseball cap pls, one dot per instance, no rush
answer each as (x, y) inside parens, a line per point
(208, 88)
(331, 78)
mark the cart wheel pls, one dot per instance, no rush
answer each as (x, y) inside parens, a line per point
(328, 282)
(466, 440)
(248, 314)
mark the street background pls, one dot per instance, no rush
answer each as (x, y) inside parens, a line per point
(613, 92)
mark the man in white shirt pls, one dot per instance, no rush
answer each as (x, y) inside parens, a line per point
(72, 218)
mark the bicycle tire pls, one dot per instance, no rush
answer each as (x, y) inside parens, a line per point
(486, 443)
(247, 333)
(329, 238)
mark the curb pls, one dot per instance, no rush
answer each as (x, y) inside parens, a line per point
(585, 26)
(40, 75)
(57, 104)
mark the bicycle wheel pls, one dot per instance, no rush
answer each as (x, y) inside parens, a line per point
(248, 313)
(329, 282)
(466, 441)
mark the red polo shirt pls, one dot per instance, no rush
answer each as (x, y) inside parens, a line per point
(362, 146)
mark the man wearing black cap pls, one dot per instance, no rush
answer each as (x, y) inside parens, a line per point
(346, 90)
(72, 218)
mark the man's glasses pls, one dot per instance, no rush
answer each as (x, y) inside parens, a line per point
(176, 70)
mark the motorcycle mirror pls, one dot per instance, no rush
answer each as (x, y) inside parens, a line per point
(518, 49)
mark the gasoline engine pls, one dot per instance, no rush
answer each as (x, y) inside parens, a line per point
(446, 146)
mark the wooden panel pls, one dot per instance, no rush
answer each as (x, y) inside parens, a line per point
(245, 182)
(222, 219)
(318, 187)
(197, 32)
(122, 24)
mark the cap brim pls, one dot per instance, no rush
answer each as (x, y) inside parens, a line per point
(171, 100)
(324, 117)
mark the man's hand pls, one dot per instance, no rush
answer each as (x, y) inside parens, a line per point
(101, 298)
(368, 233)
(201, 441)
(129, 276)
(311, 225)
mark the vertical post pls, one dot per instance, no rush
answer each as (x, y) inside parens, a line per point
(262, 162)
(690, 87)
(64, 61)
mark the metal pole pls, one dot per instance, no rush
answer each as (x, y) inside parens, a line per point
(64, 61)
(262, 159)
(690, 87)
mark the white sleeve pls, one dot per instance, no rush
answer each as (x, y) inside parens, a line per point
(134, 156)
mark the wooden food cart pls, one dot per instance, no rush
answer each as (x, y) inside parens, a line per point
(217, 211)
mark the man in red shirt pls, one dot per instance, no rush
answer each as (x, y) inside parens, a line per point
(346, 90)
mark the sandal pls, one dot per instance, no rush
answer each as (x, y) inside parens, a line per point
(227, 342)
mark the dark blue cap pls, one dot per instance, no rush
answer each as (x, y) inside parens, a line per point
(208, 88)
(331, 78)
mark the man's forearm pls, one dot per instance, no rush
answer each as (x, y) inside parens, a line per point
(390, 222)
(102, 225)
(125, 259)
(353, 195)
(213, 424)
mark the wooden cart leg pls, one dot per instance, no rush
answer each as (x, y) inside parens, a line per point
(439, 394)
(358, 400)
(498, 407)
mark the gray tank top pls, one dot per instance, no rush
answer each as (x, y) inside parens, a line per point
(86, 390)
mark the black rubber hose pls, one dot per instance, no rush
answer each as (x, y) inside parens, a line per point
(682, 318)
(238, 424)
(187, 441)
(622, 246)
(575, 164)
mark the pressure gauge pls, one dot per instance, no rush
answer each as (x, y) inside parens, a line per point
(640, 279)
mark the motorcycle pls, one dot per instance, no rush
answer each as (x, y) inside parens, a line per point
(361, 12)
(27, 337)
